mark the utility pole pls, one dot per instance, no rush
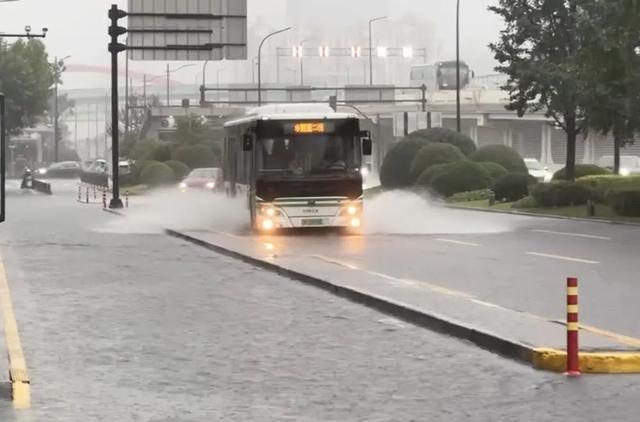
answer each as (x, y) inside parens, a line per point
(458, 117)
(55, 111)
(126, 97)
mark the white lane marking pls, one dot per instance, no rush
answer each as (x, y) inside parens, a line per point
(458, 242)
(586, 236)
(563, 258)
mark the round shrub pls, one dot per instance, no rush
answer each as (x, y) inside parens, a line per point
(440, 135)
(179, 169)
(151, 150)
(196, 156)
(396, 167)
(560, 194)
(496, 171)
(427, 176)
(157, 174)
(582, 170)
(626, 202)
(506, 156)
(462, 176)
(434, 154)
(513, 186)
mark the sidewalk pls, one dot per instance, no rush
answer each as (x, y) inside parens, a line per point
(512, 333)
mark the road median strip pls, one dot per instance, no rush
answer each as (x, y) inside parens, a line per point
(605, 354)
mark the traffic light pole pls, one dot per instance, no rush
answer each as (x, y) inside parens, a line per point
(114, 48)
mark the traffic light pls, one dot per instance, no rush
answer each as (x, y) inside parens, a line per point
(333, 102)
(115, 31)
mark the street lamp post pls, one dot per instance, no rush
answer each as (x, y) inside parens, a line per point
(371, 48)
(458, 118)
(169, 71)
(301, 54)
(260, 60)
(56, 139)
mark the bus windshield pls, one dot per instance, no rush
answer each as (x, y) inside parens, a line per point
(308, 154)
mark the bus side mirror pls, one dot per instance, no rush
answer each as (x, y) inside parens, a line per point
(366, 146)
(247, 143)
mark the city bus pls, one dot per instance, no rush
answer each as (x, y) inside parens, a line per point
(440, 75)
(298, 165)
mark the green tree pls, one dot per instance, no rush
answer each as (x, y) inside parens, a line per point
(539, 49)
(610, 63)
(25, 79)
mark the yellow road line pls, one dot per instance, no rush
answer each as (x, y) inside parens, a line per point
(586, 236)
(458, 242)
(20, 385)
(563, 258)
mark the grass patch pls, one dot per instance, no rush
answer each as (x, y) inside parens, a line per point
(603, 212)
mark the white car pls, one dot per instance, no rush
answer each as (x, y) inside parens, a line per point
(537, 170)
(629, 164)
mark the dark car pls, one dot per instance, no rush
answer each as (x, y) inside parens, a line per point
(63, 170)
(203, 179)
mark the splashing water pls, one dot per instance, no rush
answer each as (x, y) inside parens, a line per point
(172, 209)
(409, 213)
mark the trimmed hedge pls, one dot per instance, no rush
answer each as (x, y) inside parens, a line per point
(179, 169)
(428, 175)
(582, 170)
(513, 186)
(603, 185)
(440, 135)
(434, 154)
(396, 167)
(157, 174)
(496, 171)
(196, 156)
(151, 150)
(503, 155)
(626, 202)
(560, 194)
(462, 176)
(474, 195)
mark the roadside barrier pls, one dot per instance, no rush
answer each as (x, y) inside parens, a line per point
(126, 199)
(573, 365)
(91, 194)
(104, 198)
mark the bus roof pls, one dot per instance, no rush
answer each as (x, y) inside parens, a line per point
(291, 112)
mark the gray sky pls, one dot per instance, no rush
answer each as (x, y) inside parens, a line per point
(79, 28)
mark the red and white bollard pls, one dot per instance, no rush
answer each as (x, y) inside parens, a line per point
(573, 350)
(126, 199)
(79, 193)
(104, 198)
(95, 193)
(87, 197)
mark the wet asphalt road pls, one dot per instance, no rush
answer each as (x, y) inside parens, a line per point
(143, 327)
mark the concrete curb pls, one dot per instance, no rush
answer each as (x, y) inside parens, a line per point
(556, 217)
(540, 358)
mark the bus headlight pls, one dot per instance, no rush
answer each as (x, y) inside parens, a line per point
(352, 210)
(269, 211)
(267, 224)
(355, 222)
